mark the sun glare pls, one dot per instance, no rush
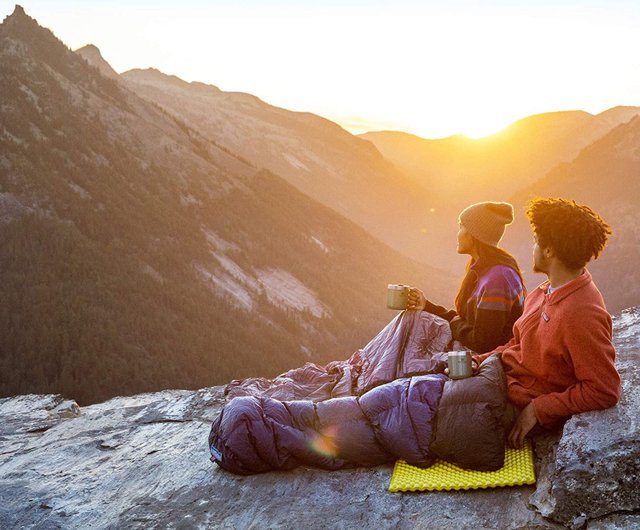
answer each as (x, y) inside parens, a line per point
(474, 121)
(480, 130)
(471, 129)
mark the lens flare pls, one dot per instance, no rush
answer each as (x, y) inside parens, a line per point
(324, 443)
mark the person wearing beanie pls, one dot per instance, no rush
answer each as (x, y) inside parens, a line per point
(486, 221)
(492, 292)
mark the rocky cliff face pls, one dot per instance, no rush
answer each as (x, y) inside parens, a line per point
(142, 462)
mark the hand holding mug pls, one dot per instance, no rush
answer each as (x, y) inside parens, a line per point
(474, 368)
(416, 299)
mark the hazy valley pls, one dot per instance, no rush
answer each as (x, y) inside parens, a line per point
(141, 255)
(163, 234)
(592, 159)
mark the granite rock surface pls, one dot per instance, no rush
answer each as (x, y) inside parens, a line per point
(142, 462)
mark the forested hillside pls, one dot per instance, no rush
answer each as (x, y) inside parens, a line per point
(139, 255)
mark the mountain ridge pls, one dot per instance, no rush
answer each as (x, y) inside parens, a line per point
(460, 171)
(314, 154)
(94, 57)
(561, 123)
(142, 255)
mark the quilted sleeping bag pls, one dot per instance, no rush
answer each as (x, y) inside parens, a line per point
(367, 410)
(417, 419)
(394, 420)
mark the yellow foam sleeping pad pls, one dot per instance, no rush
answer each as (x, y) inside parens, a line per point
(518, 470)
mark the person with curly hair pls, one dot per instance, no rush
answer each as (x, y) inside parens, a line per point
(561, 360)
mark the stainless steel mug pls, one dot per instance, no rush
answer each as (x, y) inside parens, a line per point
(459, 363)
(397, 296)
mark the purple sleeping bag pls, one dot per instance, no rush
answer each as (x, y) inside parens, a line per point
(394, 420)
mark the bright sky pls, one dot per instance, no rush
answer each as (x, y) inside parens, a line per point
(432, 68)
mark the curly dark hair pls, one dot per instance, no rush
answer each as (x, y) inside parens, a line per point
(575, 232)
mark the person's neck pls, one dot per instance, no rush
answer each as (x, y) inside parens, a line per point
(560, 275)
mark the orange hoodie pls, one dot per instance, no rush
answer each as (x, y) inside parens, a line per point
(561, 356)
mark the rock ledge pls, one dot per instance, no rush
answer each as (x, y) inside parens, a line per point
(142, 462)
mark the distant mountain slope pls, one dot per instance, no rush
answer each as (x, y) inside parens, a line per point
(139, 255)
(316, 155)
(605, 176)
(458, 171)
(509, 160)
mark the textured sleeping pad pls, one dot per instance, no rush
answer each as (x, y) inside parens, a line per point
(518, 470)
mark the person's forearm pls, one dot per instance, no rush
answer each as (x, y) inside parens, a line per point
(581, 397)
(594, 363)
(439, 310)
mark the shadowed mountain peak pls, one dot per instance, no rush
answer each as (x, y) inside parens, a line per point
(18, 22)
(18, 12)
(92, 55)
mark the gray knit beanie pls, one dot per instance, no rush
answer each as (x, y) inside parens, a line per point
(486, 221)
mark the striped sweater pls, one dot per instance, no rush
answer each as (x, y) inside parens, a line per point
(490, 312)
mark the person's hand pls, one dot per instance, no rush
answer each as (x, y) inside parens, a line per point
(416, 299)
(526, 421)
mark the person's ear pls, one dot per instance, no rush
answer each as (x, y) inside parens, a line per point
(548, 252)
